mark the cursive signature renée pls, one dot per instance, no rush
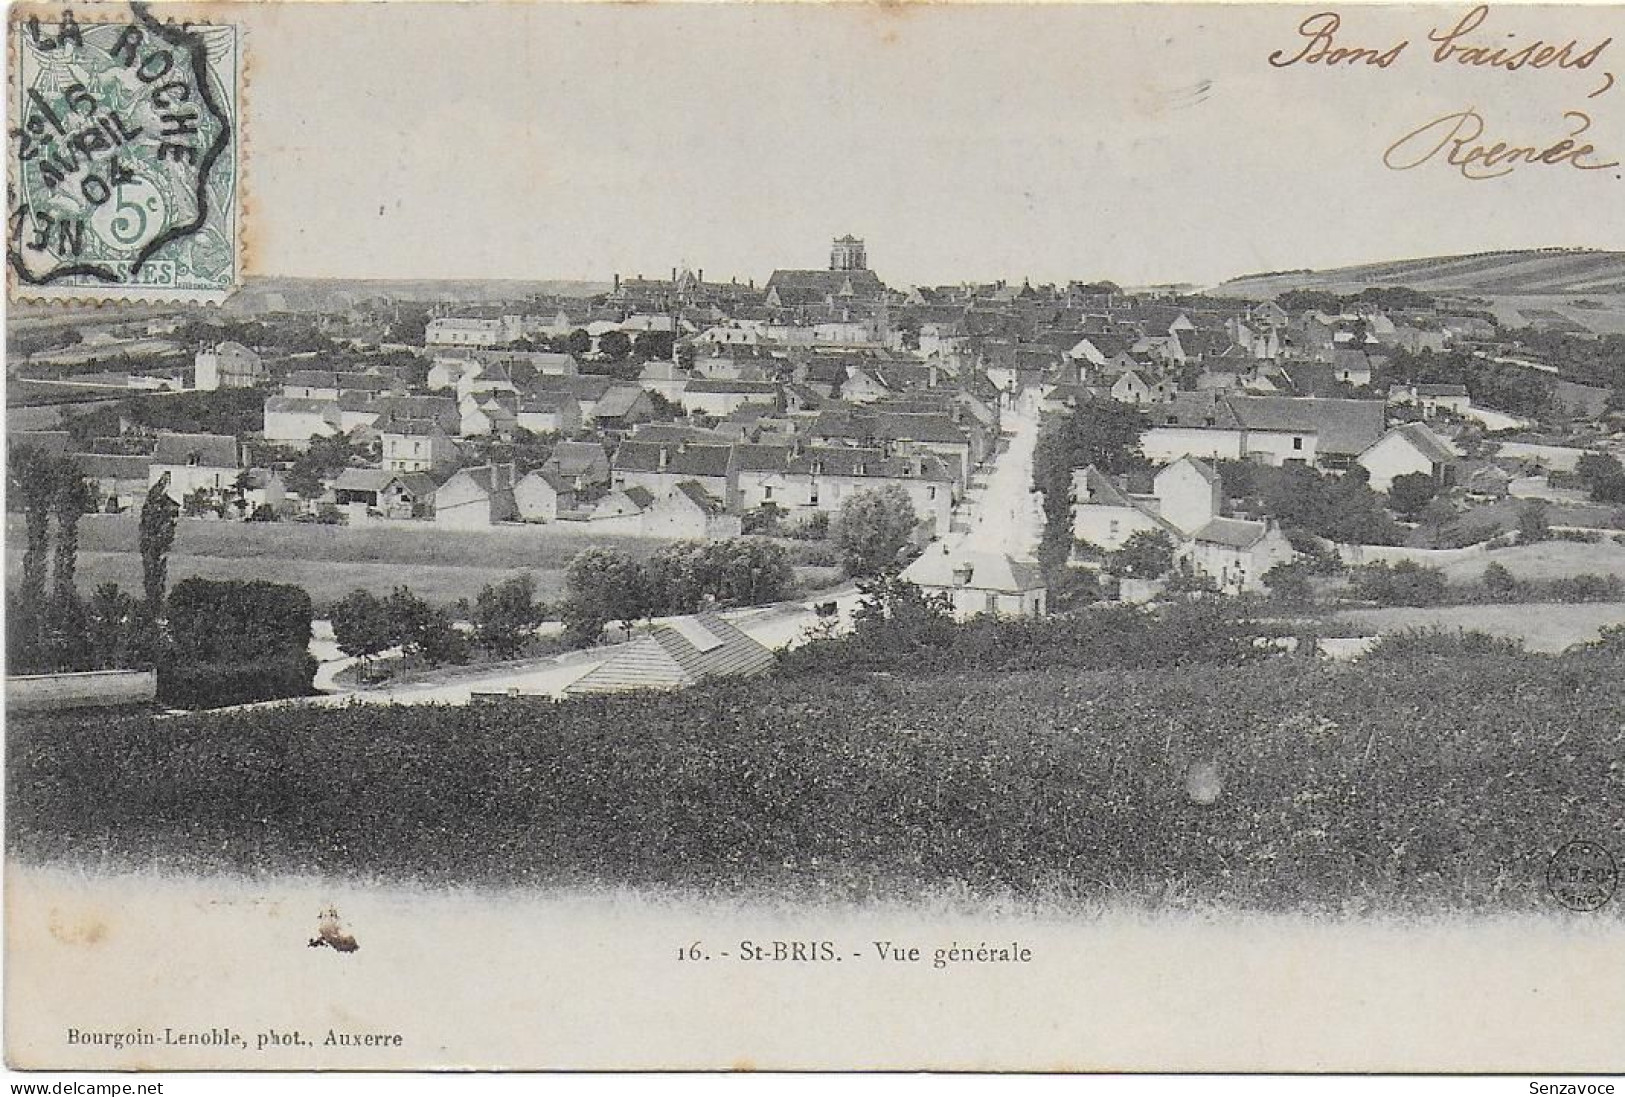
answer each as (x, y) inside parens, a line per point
(1458, 140)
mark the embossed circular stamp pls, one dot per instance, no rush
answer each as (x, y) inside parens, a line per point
(1582, 876)
(124, 163)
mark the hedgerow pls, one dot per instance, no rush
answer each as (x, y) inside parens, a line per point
(1419, 784)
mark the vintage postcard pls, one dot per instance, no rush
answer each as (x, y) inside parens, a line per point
(1021, 537)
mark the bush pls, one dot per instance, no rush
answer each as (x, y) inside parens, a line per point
(1289, 583)
(1580, 536)
(1587, 588)
(214, 685)
(1412, 642)
(1499, 581)
(1405, 583)
(237, 621)
(898, 633)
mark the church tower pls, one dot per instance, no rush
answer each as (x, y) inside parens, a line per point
(846, 253)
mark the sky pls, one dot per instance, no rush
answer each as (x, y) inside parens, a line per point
(1144, 144)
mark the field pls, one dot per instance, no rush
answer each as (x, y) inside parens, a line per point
(1587, 274)
(441, 566)
(1548, 628)
(1417, 786)
(1544, 560)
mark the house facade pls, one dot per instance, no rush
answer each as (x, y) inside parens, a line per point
(1408, 449)
(476, 498)
(976, 583)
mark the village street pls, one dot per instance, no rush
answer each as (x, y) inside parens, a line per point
(1004, 514)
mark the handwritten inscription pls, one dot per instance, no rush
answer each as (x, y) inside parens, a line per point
(1321, 46)
(1464, 140)
(1458, 140)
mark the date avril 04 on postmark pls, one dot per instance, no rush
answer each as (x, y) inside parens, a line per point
(124, 156)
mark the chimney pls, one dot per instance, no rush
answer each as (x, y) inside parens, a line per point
(674, 274)
(617, 281)
(701, 278)
(664, 457)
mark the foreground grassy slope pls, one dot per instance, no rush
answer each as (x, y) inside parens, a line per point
(1443, 782)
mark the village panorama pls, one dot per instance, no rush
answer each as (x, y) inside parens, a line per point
(1304, 591)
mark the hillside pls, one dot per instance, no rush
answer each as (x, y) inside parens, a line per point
(1548, 272)
(320, 294)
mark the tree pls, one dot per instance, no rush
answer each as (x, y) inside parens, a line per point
(896, 614)
(872, 527)
(1148, 554)
(1102, 433)
(1409, 493)
(653, 345)
(740, 572)
(1289, 583)
(1603, 476)
(1533, 523)
(614, 345)
(114, 625)
(1499, 581)
(157, 535)
(235, 620)
(603, 586)
(33, 481)
(322, 460)
(439, 641)
(577, 342)
(504, 615)
(665, 411)
(361, 625)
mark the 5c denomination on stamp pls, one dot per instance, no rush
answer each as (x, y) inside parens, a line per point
(124, 157)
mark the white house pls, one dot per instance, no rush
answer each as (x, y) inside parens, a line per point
(295, 420)
(194, 462)
(542, 496)
(1408, 449)
(456, 331)
(1105, 515)
(417, 445)
(980, 582)
(1432, 398)
(474, 498)
(1236, 553)
(720, 399)
(228, 365)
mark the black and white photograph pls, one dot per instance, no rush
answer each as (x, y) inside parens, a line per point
(834, 537)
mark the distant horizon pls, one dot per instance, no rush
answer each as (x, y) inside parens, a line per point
(713, 278)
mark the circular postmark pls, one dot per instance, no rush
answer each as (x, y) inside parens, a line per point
(121, 126)
(1582, 876)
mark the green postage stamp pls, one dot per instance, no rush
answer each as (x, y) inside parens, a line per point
(125, 154)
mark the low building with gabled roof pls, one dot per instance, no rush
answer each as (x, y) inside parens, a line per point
(1236, 553)
(476, 498)
(1408, 449)
(674, 655)
(195, 462)
(978, 583)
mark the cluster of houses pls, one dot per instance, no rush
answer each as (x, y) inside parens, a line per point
(787, 399)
